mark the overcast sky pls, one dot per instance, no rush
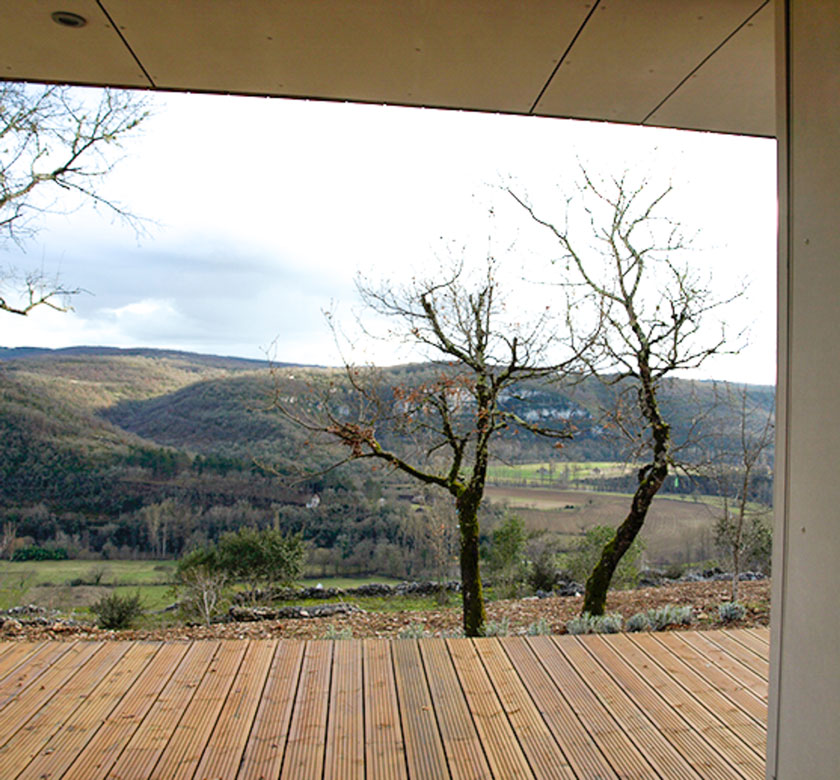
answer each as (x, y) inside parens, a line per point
(263, 211)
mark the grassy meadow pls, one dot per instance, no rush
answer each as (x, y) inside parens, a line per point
(72, 586)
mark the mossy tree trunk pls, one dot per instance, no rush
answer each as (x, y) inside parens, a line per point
(651, 478)
(472, 593)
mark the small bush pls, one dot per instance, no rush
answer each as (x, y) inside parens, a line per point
(540, 628)
(639, 622)
(497, 627)
(674, 571)
(95, 574)
(670, 615)
(413, 631)
(594, 624)
(117, 612)
(731, 611)
(544, 572)
(337, 633)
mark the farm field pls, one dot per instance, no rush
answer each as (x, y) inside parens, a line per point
(676, 531)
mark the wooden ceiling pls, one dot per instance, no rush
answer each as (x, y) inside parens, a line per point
(697, 64)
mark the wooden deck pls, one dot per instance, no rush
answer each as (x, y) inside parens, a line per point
(667, 705)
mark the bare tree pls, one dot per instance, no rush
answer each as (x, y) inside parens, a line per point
(32, 290)
(56, 141)
(8, 538)
(625, 263)
(740, 530)
(439, 430)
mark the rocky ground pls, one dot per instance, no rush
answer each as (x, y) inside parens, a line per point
(704, 597)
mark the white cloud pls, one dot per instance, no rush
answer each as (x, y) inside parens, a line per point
(267, 208)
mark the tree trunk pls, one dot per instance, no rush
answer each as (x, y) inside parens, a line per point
(471, 590)
(650, 480)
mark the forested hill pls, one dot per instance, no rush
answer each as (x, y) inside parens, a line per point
(94, 439)
(98, 399)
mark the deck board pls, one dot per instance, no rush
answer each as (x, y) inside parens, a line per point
(98, 756)
(424, 753)
(266, 746)
(183, 751)
(15, 653)
(223, 753)
(748, 657)
(20, 707)
(148, 742)
(727, 712)
(715, 677)
(307, 733)
(539, 746)
(28, 668)
(614, 742)
(345, 753)
(728, 663)
(667, 759)
(461, 740)
(57, 755)
(20, 748)
(384, 746)
(575, 742)
(504, 753)
(681, 705)
(693, 727)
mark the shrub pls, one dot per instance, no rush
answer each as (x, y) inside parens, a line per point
(117, 612)
(545, 572)
(506, 562)
(731, 611)
(639, 622)
(669, 615)
(35, 553)
(594, 624)
(199, 584)
(497, 627)
(413, 631)
(267, 556)
(334, 633)
(582, 560)
(540, 628)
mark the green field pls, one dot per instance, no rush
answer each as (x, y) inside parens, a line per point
(70, 585)
(557, 473)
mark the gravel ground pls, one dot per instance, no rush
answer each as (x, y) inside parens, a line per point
(704, 597)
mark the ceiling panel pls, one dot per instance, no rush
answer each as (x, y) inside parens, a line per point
(34, 47)
(464, 53)
(633, 53)
(734, 91)
(627, 58)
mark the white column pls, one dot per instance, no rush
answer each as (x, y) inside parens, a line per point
(804, 723)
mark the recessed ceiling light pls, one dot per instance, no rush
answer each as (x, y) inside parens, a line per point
(68, 19)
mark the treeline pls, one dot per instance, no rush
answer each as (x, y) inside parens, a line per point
(346, 534)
